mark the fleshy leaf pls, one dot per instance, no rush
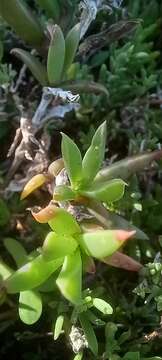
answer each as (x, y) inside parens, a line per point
(22, 20)
(122, 261)
(89, 333)
(103, 243)
(30, 307)
(46, 214)
(94, 156)
(59, 219)
(69, 280)
(5, 270)
(72, 160)
(56, 55)
(111, 220)
(78, 356)
(64, 223)
(58, 326)
(37, 69)
(16, 250)
(31, 275)
(127, 167)
(55, 167)
(56, 246)
(71, 44)
(34, 183)
(102, 306)
(63, 193)
(107, 192)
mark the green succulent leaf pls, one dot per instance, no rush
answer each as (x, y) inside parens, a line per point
(31, 275)
(128, 166)
(16, 250)
(107, 192)
(72, 160)
(22, 20)
(56, 246)
(51, 8)
(63, 193)
(102, 306)
(71, 44)
(5, 270)
(112, 220)
(89, 333)
(103, 243)
(37, 69)
(30, 307)
(56, 55)
(58, 326)
(69, 280)
(94, 156)
(78, 356)
(64, 223)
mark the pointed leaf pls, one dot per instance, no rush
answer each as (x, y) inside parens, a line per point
(46, 214)
(55, 167)
(34, 183)
(104, 242)
(56, 246)
(63, 193)
(31, 275)
(71, 44)
(37, 69)
(58, 326)
(94, 156)
(17, 251)
(89, 333)
(69, 280)
(128, 166)
(64, 223)
(108, 192)
(78, 356)
(72, 160)
(5, 270)
(122, 261)
(21, 19)
(59, 219)
(110, 220)
(102, 306)
(56, 55)
(30, 307)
